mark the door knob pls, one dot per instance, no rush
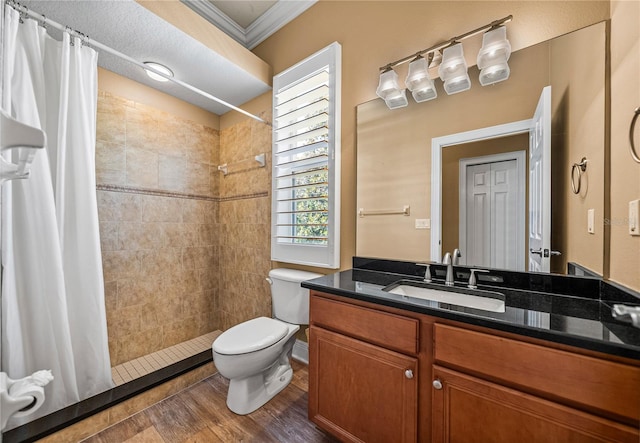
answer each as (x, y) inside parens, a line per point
(536, 251)
(437, 384)
(408, 373)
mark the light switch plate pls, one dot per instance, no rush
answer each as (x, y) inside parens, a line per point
(423, 223)
(591, 220)
(634, 217)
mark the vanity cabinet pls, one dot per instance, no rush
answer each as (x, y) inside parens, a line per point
(377, 375)
(468, 409)
(504, 390)
(363, 376)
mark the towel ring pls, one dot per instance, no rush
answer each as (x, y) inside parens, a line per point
(580, 167)
(632, 146)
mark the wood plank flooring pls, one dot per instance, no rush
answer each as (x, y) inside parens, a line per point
(199, 414)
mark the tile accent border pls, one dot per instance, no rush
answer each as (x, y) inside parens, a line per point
(160, 193)
(156, 192)
(243, 197)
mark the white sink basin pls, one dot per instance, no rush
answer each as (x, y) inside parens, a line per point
(484, 303)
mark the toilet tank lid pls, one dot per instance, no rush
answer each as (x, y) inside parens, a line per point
(250, 336)
(293, 275)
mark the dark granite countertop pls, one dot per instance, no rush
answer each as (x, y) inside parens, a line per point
(582, 318)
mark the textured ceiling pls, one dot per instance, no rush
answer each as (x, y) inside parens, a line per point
(135, 31)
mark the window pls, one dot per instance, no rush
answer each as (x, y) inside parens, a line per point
(305, 207)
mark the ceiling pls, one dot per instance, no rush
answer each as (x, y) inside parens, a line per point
(133, 30)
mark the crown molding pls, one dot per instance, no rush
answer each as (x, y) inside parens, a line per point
(273, 19)
(268, 23)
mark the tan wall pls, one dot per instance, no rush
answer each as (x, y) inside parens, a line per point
(625, 174)
(451, 157)
(373, 33)
(577, 73)
(158, 224)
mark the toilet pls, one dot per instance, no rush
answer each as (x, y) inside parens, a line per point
(254, 355)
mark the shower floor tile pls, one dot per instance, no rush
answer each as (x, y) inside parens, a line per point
(146, 364)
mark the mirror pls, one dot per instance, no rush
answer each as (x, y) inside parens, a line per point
(394, 153)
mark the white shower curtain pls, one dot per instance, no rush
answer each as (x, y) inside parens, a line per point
(53, 311)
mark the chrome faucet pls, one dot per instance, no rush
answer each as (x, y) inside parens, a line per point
(456, 257)
(449, 280)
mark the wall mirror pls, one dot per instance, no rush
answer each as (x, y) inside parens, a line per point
(394, 157)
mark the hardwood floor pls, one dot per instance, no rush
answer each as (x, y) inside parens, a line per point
(199, 414)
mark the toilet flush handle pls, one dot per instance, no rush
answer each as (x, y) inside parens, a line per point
(269, 280)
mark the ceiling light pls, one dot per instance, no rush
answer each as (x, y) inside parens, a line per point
(160, 68)
(493, 56)
(418, 81)
(453, 70)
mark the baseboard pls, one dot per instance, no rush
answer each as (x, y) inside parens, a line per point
(301, 351)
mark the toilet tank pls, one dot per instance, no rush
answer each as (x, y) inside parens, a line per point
(290, 300)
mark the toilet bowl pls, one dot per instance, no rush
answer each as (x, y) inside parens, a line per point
(254, 355)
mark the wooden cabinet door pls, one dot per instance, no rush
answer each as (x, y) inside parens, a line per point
(468, 410)
(361, 392)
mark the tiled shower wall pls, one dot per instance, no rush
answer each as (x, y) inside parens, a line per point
(245, 219)
(157, 203)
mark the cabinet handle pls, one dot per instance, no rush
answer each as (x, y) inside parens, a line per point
(437, 384)
(408, 373)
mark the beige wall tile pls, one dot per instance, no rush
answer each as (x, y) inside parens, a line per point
(139, 236)
(198, 179)
(171, 136)
(110, 119)
(119, 207)
(146, 238)
(161, 209)
(142, 128)
(109, 236)
(120, 264)
(138, 344)
(193, 211)
(137, 291)
(142, 168)
(160, 261)
(111, 177)
(172, 172)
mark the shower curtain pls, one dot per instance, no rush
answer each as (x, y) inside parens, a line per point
(53, 310)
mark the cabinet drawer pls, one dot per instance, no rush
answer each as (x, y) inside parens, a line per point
(381, 328)
(609, 387)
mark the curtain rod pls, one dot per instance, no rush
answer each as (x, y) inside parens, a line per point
(446, 43)
(44, 20)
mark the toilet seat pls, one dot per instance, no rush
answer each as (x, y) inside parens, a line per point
(250, 336)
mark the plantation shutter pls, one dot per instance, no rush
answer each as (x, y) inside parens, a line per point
(305, 154)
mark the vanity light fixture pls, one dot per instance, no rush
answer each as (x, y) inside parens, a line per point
(493, 56)
(448, 57)
(160, 68)
(389, 90)
(436, 59)
(418, 81)
(453, 70)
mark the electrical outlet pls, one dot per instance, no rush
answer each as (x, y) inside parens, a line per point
(591, 220)
(423, 223)
(634, 217)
